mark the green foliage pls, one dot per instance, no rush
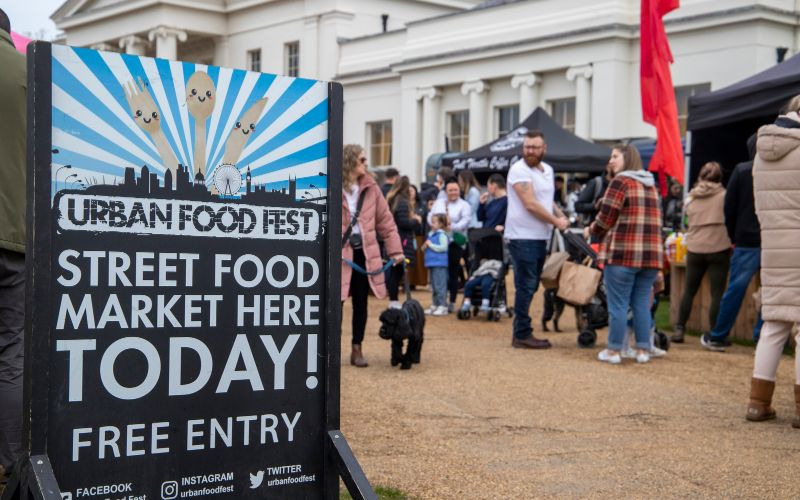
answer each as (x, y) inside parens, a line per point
(383, 492)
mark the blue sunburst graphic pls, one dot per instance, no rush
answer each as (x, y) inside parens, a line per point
(96, 132)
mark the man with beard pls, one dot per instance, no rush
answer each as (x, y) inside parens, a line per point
(529, 222)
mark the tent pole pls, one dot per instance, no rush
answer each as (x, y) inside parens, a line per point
(687, 169)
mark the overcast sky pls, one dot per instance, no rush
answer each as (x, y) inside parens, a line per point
(31, 17)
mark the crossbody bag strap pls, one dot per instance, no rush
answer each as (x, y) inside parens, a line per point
(354, 218)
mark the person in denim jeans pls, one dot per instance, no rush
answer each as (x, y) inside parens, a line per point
(630, 220)
(745, 233)
(530, 218)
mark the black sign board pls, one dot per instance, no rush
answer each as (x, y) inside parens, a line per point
(183, 266)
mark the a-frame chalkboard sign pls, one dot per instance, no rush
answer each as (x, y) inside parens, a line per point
(183, 319)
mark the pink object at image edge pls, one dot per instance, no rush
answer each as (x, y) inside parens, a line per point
(20, 42)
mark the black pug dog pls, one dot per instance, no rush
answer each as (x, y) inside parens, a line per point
(398, 325)
(553, 309)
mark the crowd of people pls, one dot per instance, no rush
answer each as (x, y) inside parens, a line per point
(734, 231)
(624, 213)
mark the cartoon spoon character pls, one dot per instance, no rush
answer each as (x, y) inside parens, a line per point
(242, 132)
(200, 98)
(145, 114)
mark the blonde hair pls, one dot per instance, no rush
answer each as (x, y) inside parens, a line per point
(350, 156)
(792, 105)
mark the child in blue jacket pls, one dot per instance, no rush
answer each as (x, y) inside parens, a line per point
(436, 261)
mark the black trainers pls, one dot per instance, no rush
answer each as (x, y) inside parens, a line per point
(707, 341)
(677, 336)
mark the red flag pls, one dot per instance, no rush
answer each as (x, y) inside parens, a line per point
(658, 94)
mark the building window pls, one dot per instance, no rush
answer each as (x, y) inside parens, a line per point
(379, 138)
(254, 60)
(458, 130)
(291, 59)
(682, 95)
(507, 119)
(563, 112)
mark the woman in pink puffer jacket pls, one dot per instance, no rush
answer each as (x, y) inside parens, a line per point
(375, 219)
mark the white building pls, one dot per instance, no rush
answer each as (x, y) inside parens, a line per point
(417, 70)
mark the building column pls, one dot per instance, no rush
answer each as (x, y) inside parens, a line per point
(167, 41)
(221, 51)
(478, 92)
(528, 85)
(105, 47)
(431, 103)
(582, 76)
(309, 49)
(134, 45)
(332, 26)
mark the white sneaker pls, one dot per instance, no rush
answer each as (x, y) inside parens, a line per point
(657, 352)
(629, 353)
(606, 356)
(440, 311)
(642, 358)
(429, 311)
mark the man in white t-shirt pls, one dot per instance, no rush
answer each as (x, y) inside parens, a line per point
(529, 223)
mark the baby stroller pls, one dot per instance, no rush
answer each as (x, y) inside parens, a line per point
(486, 243)
(594, 315)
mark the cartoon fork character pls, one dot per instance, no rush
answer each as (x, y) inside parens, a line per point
(200, 98)
(242, 132)
(145, 114)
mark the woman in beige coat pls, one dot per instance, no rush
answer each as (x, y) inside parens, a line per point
(708, 245)
(776, 182)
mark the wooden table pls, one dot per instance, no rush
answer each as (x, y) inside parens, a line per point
(698, 320)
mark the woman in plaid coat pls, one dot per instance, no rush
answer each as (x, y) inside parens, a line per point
(630, 220)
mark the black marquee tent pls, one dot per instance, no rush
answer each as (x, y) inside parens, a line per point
(723, 120)
(566, 152)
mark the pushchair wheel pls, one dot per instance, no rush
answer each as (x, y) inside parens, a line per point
(587, 338)
(662, 340)
(463, 314)
(496, 315)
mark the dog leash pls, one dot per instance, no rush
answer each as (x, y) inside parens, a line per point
(357, 268)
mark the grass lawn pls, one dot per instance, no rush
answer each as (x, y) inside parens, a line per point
(383, 492)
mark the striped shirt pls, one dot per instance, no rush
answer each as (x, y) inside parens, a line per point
(630, 217)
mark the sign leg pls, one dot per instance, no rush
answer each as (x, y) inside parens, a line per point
(32, 478)
(353, 476)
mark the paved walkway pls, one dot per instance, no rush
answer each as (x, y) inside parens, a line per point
(479, 419)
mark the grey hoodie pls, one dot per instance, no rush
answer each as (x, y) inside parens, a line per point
(642, 176)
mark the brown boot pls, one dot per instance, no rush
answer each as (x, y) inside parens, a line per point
(759, 409)
(356, 358)
(796, 421)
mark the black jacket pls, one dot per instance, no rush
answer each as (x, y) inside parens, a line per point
(740, 210)
(406, 227)
(589, 195)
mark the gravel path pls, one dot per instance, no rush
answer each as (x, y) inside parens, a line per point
(479, 419)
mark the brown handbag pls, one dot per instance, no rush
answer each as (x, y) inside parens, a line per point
(578, 283)
(552, 269)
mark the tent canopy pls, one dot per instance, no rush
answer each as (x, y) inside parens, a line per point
(723, 120)
(566, 152)
(760, 94)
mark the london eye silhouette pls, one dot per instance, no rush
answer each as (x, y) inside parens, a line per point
(227, 179)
